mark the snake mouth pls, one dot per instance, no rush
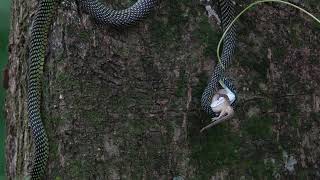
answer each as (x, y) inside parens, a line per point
(231, 95)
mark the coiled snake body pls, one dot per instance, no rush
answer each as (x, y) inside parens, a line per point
(38, 45)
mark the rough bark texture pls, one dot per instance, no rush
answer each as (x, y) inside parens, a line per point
(125, 104)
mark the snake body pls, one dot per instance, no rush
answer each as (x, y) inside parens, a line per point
(227, 11)
(38, 45)
(107, 16)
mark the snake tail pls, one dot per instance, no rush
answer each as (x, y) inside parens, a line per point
(118, 18)
(227, 11)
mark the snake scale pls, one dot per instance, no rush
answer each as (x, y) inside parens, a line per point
(227, 13)
(38, 44)
(104, 15)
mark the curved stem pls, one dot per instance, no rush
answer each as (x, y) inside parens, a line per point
(250, 6)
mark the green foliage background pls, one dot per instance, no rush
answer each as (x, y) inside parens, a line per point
(4, 34)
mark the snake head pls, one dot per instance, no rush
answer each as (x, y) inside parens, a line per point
(221, 105)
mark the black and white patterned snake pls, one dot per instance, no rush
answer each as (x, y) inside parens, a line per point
(107, 16)
(210, 101)
(39, 41)
(227, 13)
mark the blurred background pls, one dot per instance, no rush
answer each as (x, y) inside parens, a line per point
(4, 34)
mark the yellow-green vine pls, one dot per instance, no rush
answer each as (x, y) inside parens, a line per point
(249, 7)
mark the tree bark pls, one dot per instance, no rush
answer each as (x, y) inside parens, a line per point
(125, 103)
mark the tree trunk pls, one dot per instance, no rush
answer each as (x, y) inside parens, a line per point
(125, 103)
